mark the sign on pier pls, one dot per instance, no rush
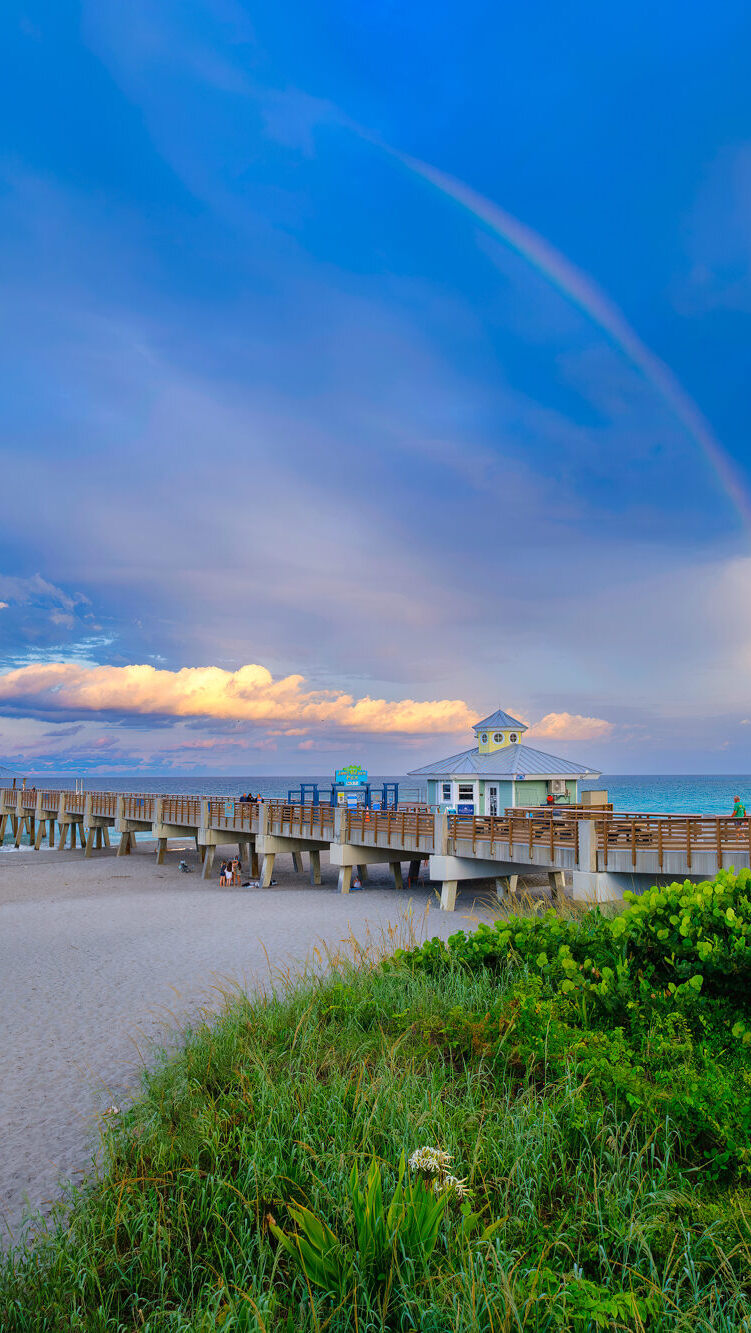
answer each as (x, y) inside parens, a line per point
(351, 776)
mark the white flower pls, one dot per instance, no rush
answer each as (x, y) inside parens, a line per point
(111, 1110)
(431, 1161)
(451, 1184)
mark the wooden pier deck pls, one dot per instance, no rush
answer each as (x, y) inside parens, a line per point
(603, 851)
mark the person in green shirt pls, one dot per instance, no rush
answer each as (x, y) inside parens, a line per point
(739, 809)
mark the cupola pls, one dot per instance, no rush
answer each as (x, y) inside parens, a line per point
(497, 731)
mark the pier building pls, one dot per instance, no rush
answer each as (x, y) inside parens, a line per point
(500, 772)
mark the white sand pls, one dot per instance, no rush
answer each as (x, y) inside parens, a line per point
(100, 959)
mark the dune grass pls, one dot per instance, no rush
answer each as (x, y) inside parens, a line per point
(602, 1220)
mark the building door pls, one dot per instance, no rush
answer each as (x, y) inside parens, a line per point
(492, 791)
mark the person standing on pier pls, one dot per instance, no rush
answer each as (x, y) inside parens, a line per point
(739, 809)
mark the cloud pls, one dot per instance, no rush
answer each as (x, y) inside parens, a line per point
(571, 727)
(3, 606)
(248, 694)
(37, 590)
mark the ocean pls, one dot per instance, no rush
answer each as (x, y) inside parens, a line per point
(671, 793)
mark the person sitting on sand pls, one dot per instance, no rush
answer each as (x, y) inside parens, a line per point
(739, 809)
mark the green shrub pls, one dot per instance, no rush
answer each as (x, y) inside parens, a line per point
(693, 935)
(650, 1008)
(602, 1134)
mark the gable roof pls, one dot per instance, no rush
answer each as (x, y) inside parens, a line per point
(505, 763)
(499, 719)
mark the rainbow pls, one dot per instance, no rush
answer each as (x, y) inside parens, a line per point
(584, 293)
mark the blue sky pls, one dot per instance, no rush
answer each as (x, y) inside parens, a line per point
(272, 398)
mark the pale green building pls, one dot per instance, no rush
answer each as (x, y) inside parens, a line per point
(501, 771)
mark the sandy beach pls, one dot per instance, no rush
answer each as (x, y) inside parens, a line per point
(102, 960)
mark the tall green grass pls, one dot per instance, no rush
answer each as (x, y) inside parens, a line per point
(273, 1102)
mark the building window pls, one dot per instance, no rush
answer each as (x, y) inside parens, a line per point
(484, 738)
(446, 791)
(498, 737)
(466, 791)
(513, 738)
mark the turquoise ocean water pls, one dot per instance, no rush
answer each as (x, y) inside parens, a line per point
(678, 794)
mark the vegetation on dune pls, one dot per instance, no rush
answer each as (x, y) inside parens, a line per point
(543, 1125)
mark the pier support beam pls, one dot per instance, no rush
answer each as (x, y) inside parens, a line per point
(268, 869)
(505, 885)
(448, 895)
(44, 826)
(345, 879)
(124, 847)
(414, 872)
(315, 868)
(209, 851)
(297, 864)
(451, 870)
(557, 881)
(161, 848)
(398, 878)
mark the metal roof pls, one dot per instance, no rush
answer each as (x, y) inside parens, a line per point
(504, 763)
(499, 719)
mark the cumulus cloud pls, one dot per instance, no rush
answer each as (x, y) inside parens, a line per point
(570, 727)
(249, 694)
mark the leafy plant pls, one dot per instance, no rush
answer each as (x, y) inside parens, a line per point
(383, 1236)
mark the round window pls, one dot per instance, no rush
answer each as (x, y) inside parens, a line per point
(498, 737)
(484, 738)
(513, 738)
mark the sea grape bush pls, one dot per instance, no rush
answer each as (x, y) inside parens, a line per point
(649, 1009)
(693, 934)
(676, 942)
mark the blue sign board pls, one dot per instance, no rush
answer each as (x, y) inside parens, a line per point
(351, 776)
(465, 808)
(351, 802)
(520, 777)
(375, 804)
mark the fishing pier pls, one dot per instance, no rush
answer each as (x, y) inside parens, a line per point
(602, 851)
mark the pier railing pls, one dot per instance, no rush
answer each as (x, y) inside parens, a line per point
(226, 812)
(104, 804)
(520, 831)
(690, 835)
(139, 806)
(185, 810)
(390, 828)
(308, 820)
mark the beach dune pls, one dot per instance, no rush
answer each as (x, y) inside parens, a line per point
(102, 960)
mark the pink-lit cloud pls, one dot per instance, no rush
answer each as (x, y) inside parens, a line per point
(249, 694)
(570, 727)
